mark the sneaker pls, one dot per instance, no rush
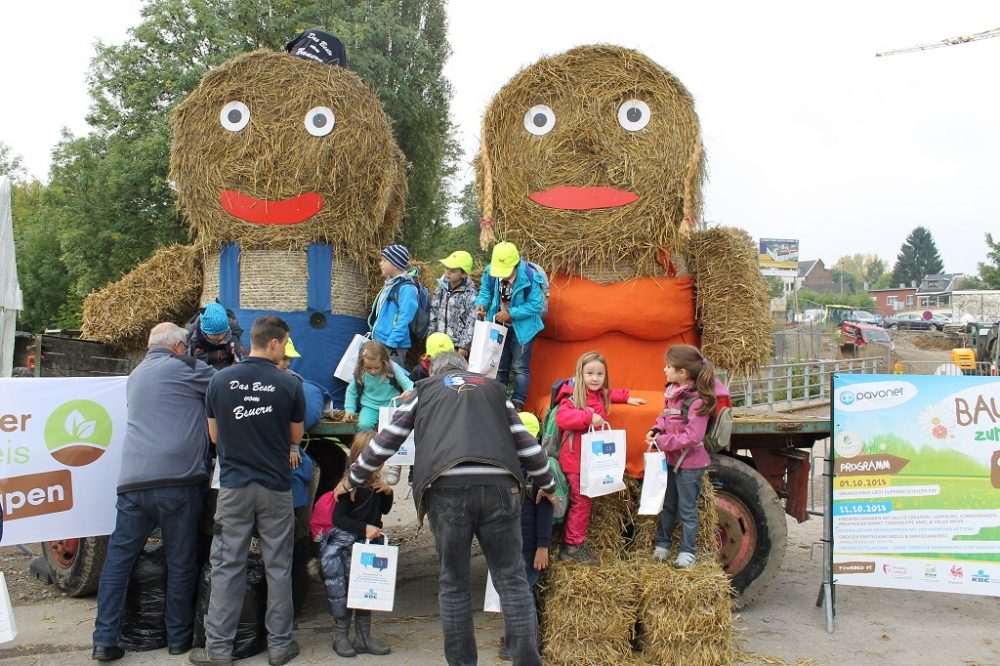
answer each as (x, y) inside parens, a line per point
(660, 554)
(684, 560)
(199, 657)
(579, 554)
(391, 474)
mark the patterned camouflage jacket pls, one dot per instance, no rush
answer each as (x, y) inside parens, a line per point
(452, 313)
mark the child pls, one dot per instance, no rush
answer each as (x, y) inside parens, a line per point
(436, 344)
(690, 377)
(452, 305)
(356, 516)
(396, 303)
(536, 528)
(377, 380)
(583, 403)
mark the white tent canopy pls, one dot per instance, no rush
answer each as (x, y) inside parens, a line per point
(10, 291)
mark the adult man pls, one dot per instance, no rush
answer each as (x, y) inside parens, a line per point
(514, 295)
(396, 304)
(471, 445)
(255, 412)
(161, 481)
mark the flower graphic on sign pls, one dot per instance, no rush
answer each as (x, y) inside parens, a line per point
(78, 432)
(937, 422)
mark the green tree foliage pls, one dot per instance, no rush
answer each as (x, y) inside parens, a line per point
(775, 287)
(10, 163)
(464, 236)
(917, 258)
(863, 268)
(989, 270)
(811, 299)
(41, 272)
(111, 204)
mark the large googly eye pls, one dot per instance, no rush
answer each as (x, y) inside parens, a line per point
(234, 116)
(539, 120)
(633, 115)
(319, 121)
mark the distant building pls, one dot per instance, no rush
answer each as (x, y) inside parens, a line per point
(817, 277)
(934, 292)
(890, 301)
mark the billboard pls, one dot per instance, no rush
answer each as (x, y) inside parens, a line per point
(916, 487)
(779, 256)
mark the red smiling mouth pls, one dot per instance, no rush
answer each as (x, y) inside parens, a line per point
(260, 211)
(569, 197)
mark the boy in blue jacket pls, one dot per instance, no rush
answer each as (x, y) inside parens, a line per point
(513, 295)
(396, 303)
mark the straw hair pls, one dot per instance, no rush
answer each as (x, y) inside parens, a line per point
(357, 168)
(662, 163)
(732, 300)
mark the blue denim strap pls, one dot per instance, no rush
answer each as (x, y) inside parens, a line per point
(229, 275)
(319, 263)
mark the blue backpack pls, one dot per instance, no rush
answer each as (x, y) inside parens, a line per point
(532, 269)
(421, 321)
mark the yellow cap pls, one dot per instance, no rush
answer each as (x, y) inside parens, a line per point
(290, 350)
(530, 422)
(458, 259)
(438, 343)
(505, 258)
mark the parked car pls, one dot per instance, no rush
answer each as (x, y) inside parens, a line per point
(810, 315)
(913, 321)
(863, 317)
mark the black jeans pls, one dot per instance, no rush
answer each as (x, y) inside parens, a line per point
(492, 513)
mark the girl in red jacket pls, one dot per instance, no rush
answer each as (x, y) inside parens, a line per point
(583, 403)
(691, 381)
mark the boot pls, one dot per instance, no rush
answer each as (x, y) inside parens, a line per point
(341, 643)
(363, 641)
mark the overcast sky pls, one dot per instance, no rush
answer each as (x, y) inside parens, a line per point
(807, 134)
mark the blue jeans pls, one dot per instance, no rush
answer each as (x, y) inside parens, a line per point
(492, 513)
(683, 489)
(516, 358)
(176, 509)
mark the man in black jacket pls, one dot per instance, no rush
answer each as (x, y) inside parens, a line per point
(470, 449)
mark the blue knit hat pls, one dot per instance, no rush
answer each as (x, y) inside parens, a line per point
(214, 319)
(397, 255)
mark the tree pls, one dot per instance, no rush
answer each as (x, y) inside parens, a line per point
(917, 258)
(464, 236)
(863, 268)
(10, 163)
(775, 287)
(989, 270)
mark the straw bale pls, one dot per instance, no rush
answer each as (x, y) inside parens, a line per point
(164, 288)
(685, 615)
(610, 524)
(645, 526)
(588, 613)
(357, 168)
(732, 299)
(663, 163)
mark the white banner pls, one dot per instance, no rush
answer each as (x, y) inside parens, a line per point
(8, 627)
(60, 458)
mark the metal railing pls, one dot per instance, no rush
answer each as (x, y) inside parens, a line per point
(794, 384)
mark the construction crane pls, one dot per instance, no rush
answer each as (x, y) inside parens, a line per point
(964, 39)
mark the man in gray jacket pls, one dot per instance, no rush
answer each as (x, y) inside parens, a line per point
(471, 448)
(162, 477)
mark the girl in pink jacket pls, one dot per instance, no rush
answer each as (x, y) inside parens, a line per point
(689, 401)
(583, 403)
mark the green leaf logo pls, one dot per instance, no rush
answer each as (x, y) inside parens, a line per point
(78, 432)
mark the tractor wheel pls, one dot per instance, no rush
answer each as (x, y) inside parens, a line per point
(76, 564)
(751, 530)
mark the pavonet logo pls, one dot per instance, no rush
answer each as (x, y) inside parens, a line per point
(78, 432)
(874, 395)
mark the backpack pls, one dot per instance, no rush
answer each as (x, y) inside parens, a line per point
(321, 521)
(562, 492)
(532, 269)
(552, 436)
(720, 426)
(421, 321)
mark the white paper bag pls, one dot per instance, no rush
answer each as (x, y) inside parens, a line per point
(8, 628)
(602, 461)
(345, 369)
(487, 347)
(372, 584)
(491, 602)
(654, 483)
(406, 454)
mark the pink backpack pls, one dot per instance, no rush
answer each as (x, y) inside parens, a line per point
(321, 521)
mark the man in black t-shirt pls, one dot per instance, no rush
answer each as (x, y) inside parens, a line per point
(255, 415)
